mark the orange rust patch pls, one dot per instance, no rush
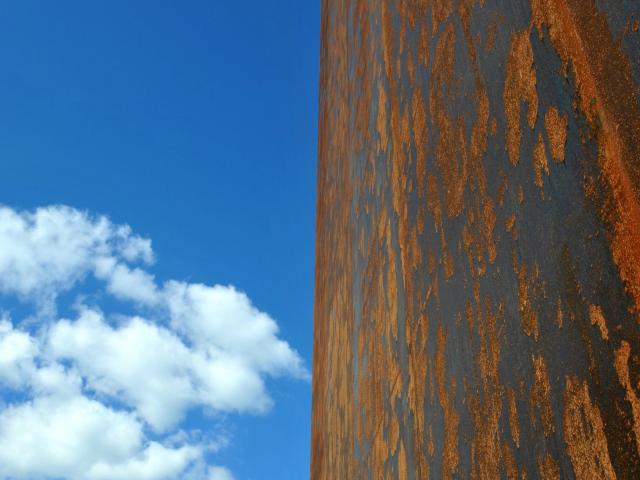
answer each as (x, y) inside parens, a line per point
(540, 398)
(540, 164)
(520, 84)
(556, 127)
(387, 39)
(510, 465)
(559, 314)
(513, 417)
(402, 463)
(488, 224)
(548, 468)
(423, 45)
(486, 454)
(622, 369)
(440, 11)
(528, 314)
(450, 149)
(382, 117)
(448, 266)
(420, 137)
(510, 222)
(501, 190)
(486, 446)
(584, 434)
(597, 318)
(451, 417)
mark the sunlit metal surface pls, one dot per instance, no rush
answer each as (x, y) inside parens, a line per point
(478, 240)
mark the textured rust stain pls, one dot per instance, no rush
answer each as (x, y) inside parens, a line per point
(548, 468)
(513, 417)
(556, 127)
(527, 311)
(486, 446)
(609, 100)
(520, 85)
(540, 164)
(540, 399)
(451, 417)
(597, 318)
(631, 391)
(584, 433)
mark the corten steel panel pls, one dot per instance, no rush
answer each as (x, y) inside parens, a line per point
(478, 264)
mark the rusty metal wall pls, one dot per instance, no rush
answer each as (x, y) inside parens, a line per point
(478, 240)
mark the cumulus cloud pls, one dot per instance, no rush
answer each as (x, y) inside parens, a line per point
(47, 251)
(91, 387)
(223, 318)
(126, 283)
(17, 352)
(155, 462)
(219, 473)
(140, 363)
(79, 438)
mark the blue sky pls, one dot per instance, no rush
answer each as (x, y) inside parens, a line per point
(195, 124)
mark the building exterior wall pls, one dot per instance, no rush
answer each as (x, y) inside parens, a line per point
(477, 305)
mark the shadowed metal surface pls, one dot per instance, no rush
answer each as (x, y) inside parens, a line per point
(478, 240)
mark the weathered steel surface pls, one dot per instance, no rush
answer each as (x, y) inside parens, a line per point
(478, 263)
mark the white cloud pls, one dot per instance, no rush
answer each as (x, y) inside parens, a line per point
(92, 386)
(133, 247)
(219, 473)
(54, 380)
(52, 438)
(78, 438)
(17, 352)
(150, 368)
(156, 462)
(223, 318)
(141, 364)
(63, 434)
(126, 283)
(47, 251)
